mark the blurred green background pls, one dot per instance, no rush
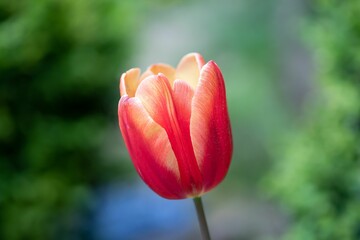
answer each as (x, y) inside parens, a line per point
(292, 71)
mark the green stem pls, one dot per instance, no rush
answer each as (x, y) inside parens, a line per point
(202, 219)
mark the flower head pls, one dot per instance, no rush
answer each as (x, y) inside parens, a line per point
(176, 126)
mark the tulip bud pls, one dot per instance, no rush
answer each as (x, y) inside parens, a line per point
(176, 126)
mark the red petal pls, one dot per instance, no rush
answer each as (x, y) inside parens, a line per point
(150, 149)
(210, 126)
(165, 107)
(183, 95)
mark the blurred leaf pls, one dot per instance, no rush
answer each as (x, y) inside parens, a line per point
(317, 176)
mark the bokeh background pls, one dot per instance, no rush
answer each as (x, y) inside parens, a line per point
(292, 71)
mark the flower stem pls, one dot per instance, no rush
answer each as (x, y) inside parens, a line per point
(202, 219)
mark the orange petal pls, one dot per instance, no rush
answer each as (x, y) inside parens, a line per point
(150, 149)
(165, 69)
(189, 68)
(210, 126)
(146, 74)
(129, 82)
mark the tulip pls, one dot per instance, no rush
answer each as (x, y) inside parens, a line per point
(176, 127)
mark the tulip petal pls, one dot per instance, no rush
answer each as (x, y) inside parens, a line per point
(183, 95)
(162, 105)
(189, 68)
(150, 149)
(155, 95)
(165, 69)
(129, 82)
(210, 126)
(155, 69)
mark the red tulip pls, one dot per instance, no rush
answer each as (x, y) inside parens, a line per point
(176, 126)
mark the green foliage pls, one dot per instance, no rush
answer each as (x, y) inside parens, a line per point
(318, 175)
(59, 69)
